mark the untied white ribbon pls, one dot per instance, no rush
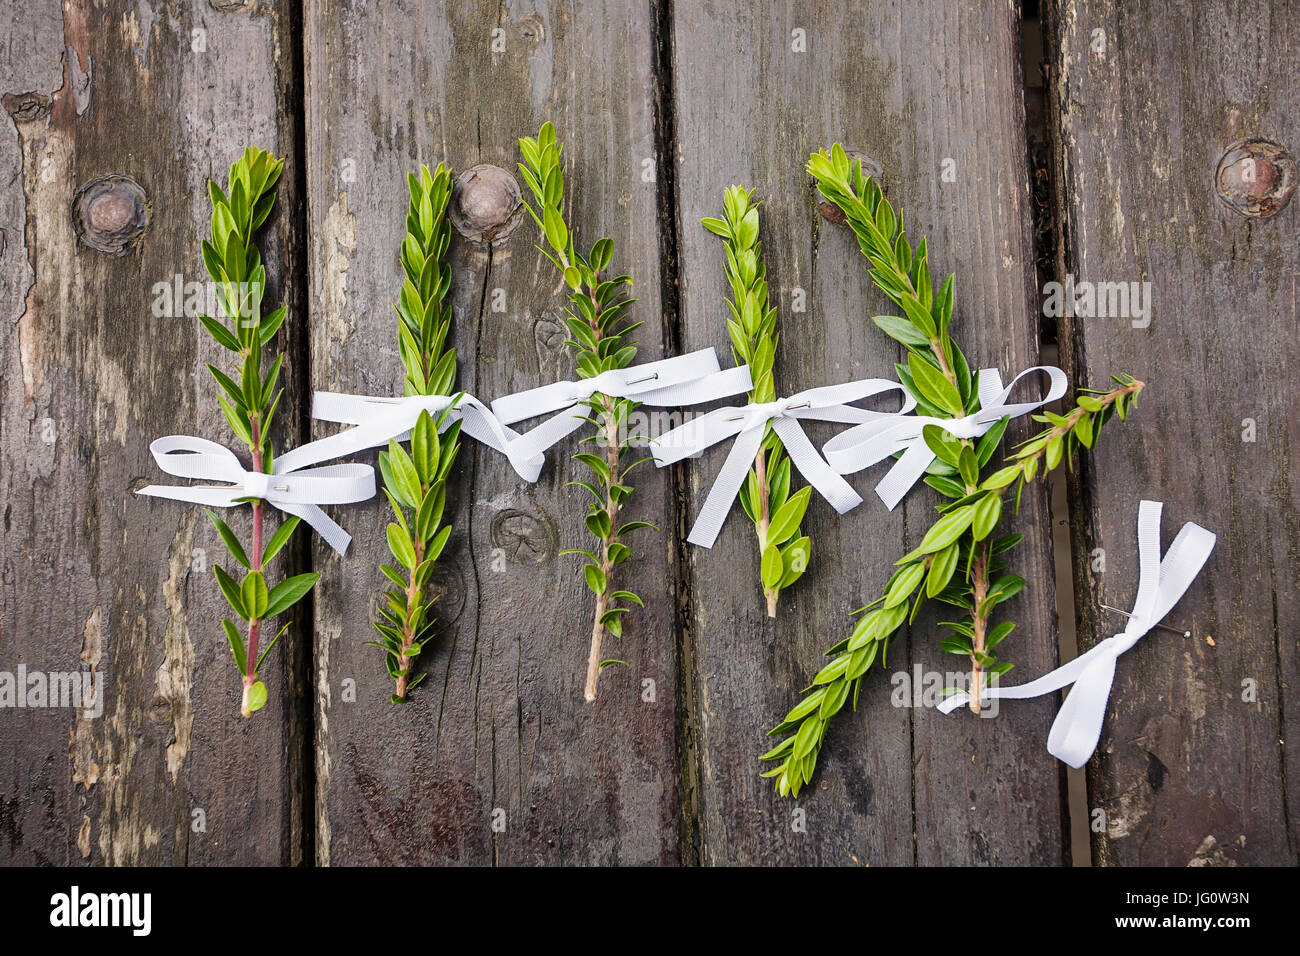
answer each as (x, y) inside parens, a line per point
(1161, 583)
(864, 445)
(291, 489)
(681, 380)
(748, 423)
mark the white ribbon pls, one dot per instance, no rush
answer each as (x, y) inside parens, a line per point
(1161, 583)
(681, 380)
(749, 424)
(293, 491)
(872, 442)
(380, 419)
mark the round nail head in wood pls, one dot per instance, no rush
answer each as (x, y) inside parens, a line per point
(1256, 178)
(485, 204)
(870, 167)
(109, 213)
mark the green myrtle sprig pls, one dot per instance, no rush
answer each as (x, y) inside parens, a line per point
(961, 561)
(248, 398)
(415, 482)
(765, 496)
(598, 327)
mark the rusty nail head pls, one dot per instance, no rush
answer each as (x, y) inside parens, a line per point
(486, 205)
(870, 167)
(109, 213)
(1256, 178)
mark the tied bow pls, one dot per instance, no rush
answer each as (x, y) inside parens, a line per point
(865, 445)
(748, 424)
(682, 380)
(379, 420)
(1161, 583)
(293, 491)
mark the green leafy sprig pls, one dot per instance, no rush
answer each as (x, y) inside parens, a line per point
(415, 482)
(248, 398)
(765, 496)
(598, 326)
(961, 560)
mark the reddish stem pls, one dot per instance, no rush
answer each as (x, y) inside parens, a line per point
(254, 625)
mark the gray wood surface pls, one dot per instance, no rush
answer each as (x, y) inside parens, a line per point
(895, 785)
(500, 724)
(93, 576)
(660, 105)
(1193, 767)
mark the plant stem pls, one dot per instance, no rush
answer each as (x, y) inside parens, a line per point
(612, 454)
(254, 625)
(413, 592)
(760, 471)
(980, 586)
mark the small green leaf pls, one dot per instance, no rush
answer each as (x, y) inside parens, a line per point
(633, 525)
(1001, 478)
(904, 584)
(901, 330)
(256, 697)
(280, 538)
(947, 529)
(231, 591)
(424, 449)
(400, 545)
(795, 557)
(595, 578)
(404, 475)
(254, 594)
(627, 596)
(987, 513)
(275, 640)
(787, 518)
(232, 543)
(236, 641)
(288, 592)
(942, 566)
(772, 566)
(934, 385)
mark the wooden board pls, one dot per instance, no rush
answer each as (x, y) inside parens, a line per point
(94, 577)
(1195, 755)
(498, 736)
(911, 86)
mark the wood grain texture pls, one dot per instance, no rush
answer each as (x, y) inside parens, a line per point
(94, 577)
(1192, 769)
(911, 86)
(499, 725)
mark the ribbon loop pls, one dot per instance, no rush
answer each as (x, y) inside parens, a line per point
(872, 442)
(291, 490)
(681, 380)
(1161, 584)
(379, 420)
(748, 425)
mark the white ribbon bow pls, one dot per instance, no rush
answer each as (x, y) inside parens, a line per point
(293, 491)
(872, 442)
(749, 424)
(681, 380)
(380, 419)
(1161, 583)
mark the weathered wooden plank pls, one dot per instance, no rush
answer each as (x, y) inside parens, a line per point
(912, 86)
(1194, 757)
(97, 364)
(500, 724)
